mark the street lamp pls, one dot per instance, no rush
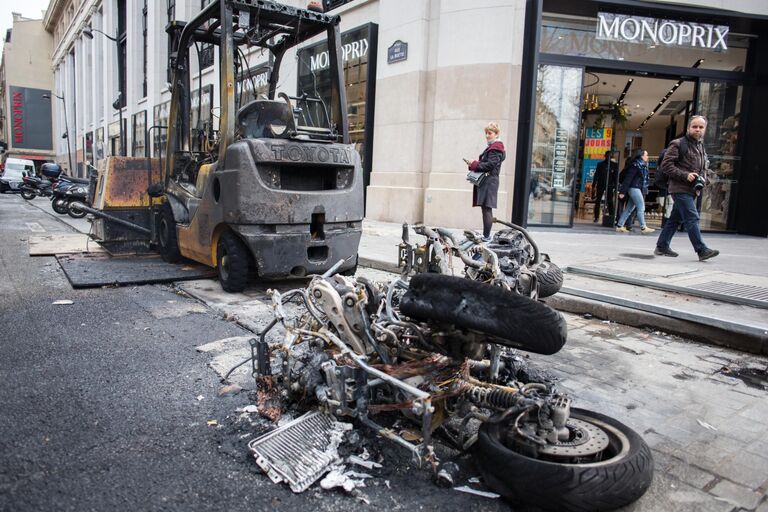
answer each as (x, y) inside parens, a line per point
(88, 32)
(66, 130)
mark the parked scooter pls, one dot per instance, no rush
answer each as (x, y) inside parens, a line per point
(67, 191)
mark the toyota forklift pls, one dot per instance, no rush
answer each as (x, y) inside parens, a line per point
(277, 190)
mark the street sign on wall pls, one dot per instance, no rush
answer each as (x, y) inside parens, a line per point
(30, 119)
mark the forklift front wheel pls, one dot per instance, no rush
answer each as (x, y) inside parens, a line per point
(232, 263)
(169, 244)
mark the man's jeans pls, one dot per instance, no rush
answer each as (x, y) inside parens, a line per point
(638, 202)
(683, 212)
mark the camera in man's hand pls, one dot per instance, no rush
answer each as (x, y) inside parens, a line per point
(698, 184)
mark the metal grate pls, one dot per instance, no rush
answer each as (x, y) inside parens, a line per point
(746, 291)
(300, 451)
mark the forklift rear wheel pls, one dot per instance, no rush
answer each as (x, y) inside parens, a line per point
(169, 244)
(232, 262)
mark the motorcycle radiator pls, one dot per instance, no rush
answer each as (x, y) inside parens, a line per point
(300, 452)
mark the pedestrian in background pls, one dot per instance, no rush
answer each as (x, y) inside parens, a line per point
(489, 162)
(605, 177)
(635, 187)
(685, 166)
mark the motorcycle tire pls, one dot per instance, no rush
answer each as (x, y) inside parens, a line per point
(622, 477)
(167, 238)
(549, 278)
(60, 206)
(232, 258)
(74, 212)
(28, 195)
(510, 318)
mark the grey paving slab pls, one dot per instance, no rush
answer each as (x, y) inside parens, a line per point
(737, 495)
(745, 468)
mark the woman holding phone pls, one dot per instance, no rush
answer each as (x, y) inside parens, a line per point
(489, 162)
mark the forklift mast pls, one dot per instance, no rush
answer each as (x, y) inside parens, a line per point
(229, 25)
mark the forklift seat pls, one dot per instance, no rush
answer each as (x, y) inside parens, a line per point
(268, 119)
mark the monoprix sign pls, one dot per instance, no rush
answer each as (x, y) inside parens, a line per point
(30, 119)
(638, 29)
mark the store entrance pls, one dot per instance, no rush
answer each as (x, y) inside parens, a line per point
(624, 113)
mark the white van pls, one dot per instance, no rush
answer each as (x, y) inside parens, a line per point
(15, 169)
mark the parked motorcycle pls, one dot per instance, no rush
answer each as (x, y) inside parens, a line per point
(34, 186)
(67, 191)
(442, 350)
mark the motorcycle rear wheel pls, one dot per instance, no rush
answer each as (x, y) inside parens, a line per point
(28, 195)
(620, 478)
(60, 206)
(75, 213)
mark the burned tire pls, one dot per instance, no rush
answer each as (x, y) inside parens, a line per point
(167, 239)
(512, 319)
(60, 206)
(549, 277)
(232, 262)
(621, 477)
(28, 195)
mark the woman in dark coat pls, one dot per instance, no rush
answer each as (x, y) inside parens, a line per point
(635, 186)
(489, 162)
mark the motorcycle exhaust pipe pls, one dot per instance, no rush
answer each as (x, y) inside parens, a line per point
(99, 213)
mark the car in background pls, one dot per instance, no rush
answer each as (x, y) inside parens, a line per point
(15, 170)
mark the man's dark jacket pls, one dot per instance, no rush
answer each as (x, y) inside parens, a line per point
(695, 160)
(601, 174)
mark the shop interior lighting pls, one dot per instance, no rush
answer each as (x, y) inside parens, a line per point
(624, 92)
(666, 97)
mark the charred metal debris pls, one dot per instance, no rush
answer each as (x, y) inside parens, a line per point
(440, 351)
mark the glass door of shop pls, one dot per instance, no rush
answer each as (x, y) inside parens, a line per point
(555, 145)
(720, 103)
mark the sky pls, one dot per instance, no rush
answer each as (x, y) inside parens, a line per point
(27, 8)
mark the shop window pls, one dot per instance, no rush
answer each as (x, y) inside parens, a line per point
(206, 49)
(200, 122)
(315, 80)
(159, 135)
(139, 123)
(555, 146)
(720, 103)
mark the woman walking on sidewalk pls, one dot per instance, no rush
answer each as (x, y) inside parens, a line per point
(635, 186)
(489, 162)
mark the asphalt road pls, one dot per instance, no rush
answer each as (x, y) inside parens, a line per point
(105, 402)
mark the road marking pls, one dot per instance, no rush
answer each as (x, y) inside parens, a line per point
(35, 227)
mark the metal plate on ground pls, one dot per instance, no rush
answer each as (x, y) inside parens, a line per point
(757, 294)
(48, 245)
(87, 271)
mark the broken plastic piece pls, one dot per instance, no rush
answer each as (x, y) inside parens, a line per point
(469, 490)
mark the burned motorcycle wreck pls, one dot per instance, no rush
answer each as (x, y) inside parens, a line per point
(511, 260)
(441, 350)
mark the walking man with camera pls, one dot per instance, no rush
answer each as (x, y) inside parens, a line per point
(685, 167)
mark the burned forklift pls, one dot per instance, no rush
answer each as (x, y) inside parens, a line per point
(277, 190)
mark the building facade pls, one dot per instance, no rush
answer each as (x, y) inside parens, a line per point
(25, 89)
(424, 77)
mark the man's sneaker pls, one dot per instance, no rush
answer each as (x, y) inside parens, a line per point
(645, 230)
(665, 252)
(486, 239)
(708, 253)
(621, 229)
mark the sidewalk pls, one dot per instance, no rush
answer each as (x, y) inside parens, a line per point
(616, 277)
